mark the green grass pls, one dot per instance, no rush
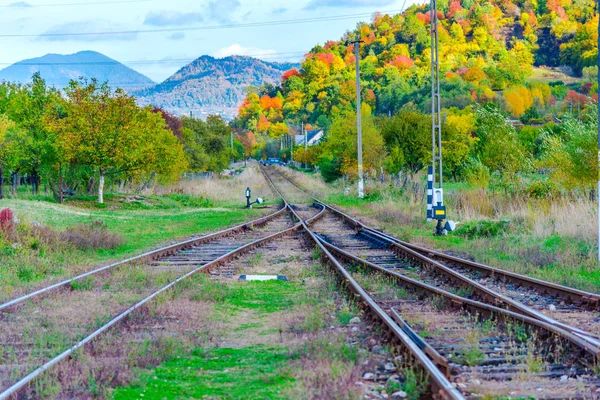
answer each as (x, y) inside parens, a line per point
(260, 296)
(141, 230)
(254, 372)
(507, 244)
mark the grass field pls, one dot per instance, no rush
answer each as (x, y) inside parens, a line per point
(30, 258)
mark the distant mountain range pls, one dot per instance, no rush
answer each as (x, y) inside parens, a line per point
(211, 85)
(58, 70)
(205, 86)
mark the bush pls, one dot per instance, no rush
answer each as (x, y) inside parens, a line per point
(94, 235)
(475, 173)
(541, 189)
(6, 220)
(478, 229)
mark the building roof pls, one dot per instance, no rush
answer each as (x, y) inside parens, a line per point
(314, 136)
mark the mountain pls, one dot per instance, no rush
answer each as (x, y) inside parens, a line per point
(59, 69)
(211, 85)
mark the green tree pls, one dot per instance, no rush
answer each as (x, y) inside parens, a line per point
(339, 150)
(108, 132)
(407, 135)
(498, 146)
(573, 157)
(26, 106)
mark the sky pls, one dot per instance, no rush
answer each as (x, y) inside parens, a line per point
(157, 37)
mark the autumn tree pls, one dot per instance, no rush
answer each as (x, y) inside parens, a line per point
(408, 137)
(108, 132)
(339, 150)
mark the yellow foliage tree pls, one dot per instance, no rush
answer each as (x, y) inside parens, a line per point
(518, 100)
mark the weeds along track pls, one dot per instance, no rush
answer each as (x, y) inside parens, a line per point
(37, 332)
(415, 357)
(487, 350)
(570, 306)
(571, 309)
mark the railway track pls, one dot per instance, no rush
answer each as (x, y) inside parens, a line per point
(487, 350)
(571, 309)
(43, 328)
(453, 320)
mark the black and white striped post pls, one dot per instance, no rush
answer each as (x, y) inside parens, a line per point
(429, 193)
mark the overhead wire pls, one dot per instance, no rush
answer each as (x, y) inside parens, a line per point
(198, 28)
(24, 4)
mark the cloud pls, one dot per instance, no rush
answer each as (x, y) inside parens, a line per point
(347, 3)
(220, 10)
(172, 18)
(177, 36)
(20, 4)
(61, 33)
(279, 10)
(238, 49)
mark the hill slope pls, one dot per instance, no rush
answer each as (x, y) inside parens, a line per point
(488, 51)
(212, 85)
(59, 69)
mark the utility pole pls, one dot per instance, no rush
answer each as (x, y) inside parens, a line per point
(361, 184)
(305, 145)
(231, 139)
(438, 209)
(292, 139)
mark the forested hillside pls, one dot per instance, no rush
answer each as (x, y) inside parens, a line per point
(211, 85)
(485, 47)
(518, 79)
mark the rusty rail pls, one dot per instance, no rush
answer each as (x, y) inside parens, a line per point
(487, 294)
(151, 255)
(588, 350)
(592, 300)
(18, 386)
(441, 388)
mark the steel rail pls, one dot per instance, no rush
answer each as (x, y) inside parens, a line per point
(441, 388)
(153, 254)
(475, 306)
(484, 291)
(564, 292)
(15, 388)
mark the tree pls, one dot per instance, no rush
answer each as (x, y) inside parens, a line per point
(207, 143)
(26, 106)
(339, 150)
(110, 133)
(498, 146)
(457, 140)
(6, 147)
(573, 157)
(408, 137)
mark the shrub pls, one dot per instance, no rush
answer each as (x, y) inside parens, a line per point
(542, 189)
(6, 220)
(94, 235)
(477, 229)
(476, 173)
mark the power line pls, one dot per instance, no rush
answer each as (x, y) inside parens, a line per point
(200, 28)
(28, 5)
